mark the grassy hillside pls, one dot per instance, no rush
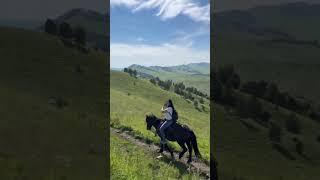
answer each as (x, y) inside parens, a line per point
(128, 161)
(132, 98)
(243, 148)
(52, 108)
(194, 74)
(95, 24)
(246, 39)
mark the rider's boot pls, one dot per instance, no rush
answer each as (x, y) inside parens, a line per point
(161, 148)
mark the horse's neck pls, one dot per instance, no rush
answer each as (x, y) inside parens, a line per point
(157, 124)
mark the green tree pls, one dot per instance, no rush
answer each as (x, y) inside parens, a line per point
(80, 35)
(50, 27)
(65, 30)
(275, 133)
(293, 124)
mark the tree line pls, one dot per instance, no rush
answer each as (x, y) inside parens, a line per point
(226, 90)
(190, 93)
(65, 30)
(131, 72)
(226, 81)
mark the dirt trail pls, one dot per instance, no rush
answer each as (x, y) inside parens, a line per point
(195, 166)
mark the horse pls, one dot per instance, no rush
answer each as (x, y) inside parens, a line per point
(182, 134)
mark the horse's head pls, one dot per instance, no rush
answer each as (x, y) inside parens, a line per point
(150, 120)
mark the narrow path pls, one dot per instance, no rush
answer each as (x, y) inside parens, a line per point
(195, 166)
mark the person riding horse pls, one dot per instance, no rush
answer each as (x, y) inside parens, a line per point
(168, 119)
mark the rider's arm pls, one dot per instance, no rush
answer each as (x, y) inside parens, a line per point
(164, 110)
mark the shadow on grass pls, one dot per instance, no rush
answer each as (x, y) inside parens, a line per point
(283, 151)
(182, 167)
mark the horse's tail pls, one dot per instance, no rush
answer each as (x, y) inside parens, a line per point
(195, 144)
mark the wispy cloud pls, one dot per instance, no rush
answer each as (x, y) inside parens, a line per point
(123, 55)
(169, 8)
(140, 39)
(187, 38)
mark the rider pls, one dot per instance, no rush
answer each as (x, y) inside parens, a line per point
(168, 109)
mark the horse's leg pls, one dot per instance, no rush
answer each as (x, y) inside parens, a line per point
(161, 148)
(171, 152)
(184, 149)
(190, 151)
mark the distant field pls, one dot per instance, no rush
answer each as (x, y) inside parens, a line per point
(195, 74)
(132, 98)
(52, 108)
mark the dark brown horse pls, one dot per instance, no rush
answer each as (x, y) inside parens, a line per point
(176, 132)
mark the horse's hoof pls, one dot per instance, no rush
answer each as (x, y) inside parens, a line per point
(180, 156)
(189, 161)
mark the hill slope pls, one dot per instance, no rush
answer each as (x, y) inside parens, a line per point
(276, 43)
(95, 24)
(132, 98)
(194, 74)
(52, 108)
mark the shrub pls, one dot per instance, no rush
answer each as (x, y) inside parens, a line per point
(50, 27)
(201, 101)
(195, 103)
(265, 116)
(65, 30)
(80, 35)
(275, 133)
(293, 124)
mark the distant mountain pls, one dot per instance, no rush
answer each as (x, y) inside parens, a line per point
(192, 68)
(193, 74)
(96, 25)
(299, 20)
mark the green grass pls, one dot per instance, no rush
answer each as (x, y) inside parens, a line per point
(292, 67)
(243, 148)
(128, 161)
(38, 139)
(131, 99)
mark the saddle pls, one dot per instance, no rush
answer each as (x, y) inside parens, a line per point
(171, 129)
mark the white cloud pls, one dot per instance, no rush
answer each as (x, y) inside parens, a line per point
(127, 3)
(123, 55)
(169, 8)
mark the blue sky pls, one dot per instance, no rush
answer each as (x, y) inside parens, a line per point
(159, 32)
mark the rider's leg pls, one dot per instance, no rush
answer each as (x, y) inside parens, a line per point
(163, 127)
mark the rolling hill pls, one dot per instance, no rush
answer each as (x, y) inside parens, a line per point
(95, 24)
(53, 105)
(131, 98)
(274, 43)
(193, 74)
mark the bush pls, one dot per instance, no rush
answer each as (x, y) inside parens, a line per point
(201, 101)
(80, 35)
(293, 124)
(275, 133)
(65, 30)
(195, 103)
(265, 116)
(50, 27)
(299, 147)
